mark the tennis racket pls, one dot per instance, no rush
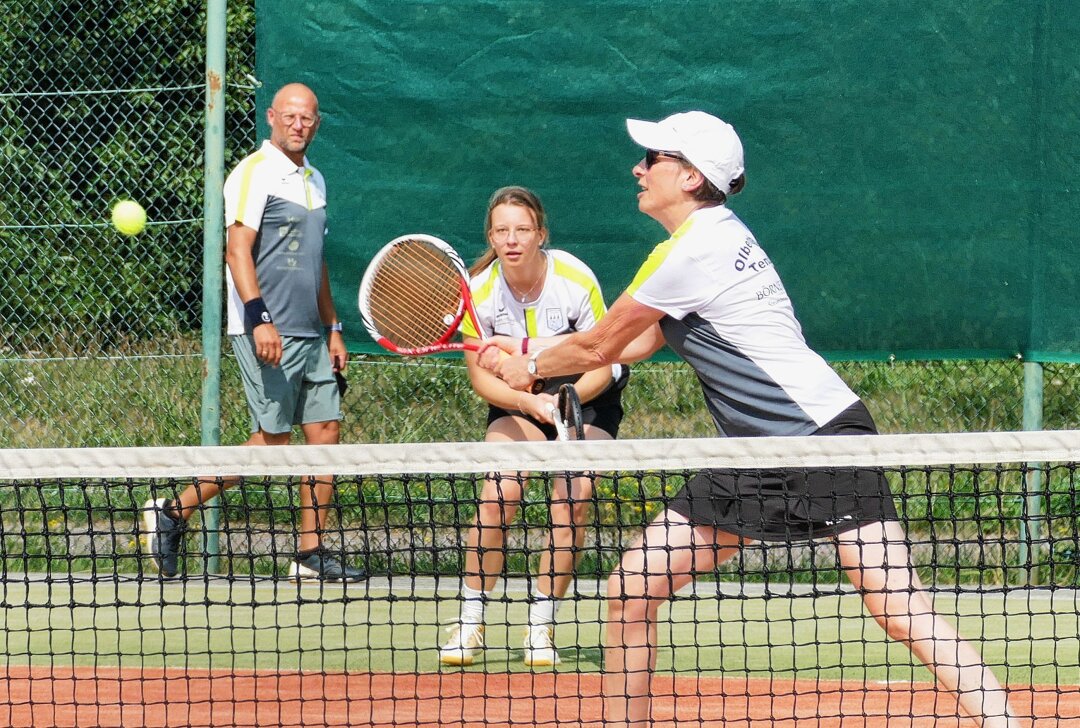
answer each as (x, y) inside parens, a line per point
(570, 412)
(567, 414)
(413, 296)
(560, 424)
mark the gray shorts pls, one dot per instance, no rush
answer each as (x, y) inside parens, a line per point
(299, 391)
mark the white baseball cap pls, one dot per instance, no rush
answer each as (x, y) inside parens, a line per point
(708, 143)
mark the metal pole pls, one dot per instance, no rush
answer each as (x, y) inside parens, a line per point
(1031, 522)
(213, 253)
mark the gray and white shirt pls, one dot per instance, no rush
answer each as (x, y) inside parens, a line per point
(730, 318)
(286, 205)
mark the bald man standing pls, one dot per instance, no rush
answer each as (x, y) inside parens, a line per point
(283, 327)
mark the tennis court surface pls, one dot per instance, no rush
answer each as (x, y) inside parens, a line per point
(93, 636)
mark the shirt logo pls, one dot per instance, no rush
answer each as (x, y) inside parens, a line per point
(554, 318)
(749, 255)
(503, 321)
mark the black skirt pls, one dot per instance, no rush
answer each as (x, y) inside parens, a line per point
(791, 504)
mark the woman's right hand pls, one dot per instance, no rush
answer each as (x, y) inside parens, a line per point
(494, 349)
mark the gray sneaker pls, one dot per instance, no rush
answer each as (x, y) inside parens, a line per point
(321, 566)
(164, 536)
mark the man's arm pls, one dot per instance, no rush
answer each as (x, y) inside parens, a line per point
(241, 262)
(335, 341)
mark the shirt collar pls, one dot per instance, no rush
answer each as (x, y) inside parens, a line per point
(278, 158)
(715, 213)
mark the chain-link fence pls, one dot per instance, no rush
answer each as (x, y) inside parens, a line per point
(100, 334)
(103, 101)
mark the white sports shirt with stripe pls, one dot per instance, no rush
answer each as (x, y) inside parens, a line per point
(570, 301)
(729, 316)
(286, 205)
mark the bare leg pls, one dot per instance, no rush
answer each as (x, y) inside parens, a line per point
(317, 492)
(558, 560)
(569, 515)
(485, 545)
(204, 489)
(878, 563)
(663, 560)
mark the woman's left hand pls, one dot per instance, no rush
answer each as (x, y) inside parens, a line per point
(514, 371)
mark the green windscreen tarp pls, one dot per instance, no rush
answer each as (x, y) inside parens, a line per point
(911, 167)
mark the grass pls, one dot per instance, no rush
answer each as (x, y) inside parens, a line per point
(149, 393)
(271, 625)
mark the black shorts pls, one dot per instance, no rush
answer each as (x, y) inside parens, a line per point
(791, 504)
(605, 412)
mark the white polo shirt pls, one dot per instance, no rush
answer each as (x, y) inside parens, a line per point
(286, 205)
(729, 316)
(570, 301)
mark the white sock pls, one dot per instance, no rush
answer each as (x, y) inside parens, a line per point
(542, 611)
(472, 605)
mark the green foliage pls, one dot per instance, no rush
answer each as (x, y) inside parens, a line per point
(99, 102)
(99, 333)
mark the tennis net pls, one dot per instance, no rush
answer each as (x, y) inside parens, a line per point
(775, 636)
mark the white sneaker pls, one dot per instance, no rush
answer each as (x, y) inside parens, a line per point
(465, 641)
(540, 647)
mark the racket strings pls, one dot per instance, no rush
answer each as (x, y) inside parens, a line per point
(415, 295)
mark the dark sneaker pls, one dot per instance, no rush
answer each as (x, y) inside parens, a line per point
(321, 566)
(164, 535)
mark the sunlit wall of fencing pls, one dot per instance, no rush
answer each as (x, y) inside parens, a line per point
(100, 339)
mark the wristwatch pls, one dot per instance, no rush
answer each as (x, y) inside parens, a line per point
(539, 383)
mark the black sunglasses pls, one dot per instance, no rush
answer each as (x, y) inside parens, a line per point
(651, 155)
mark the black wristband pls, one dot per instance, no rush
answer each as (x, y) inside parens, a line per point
(255, 313)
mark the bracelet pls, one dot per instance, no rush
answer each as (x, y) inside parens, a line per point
(336, 326)
(255, 313)
(525, 345)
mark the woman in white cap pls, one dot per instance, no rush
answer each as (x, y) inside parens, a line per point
(711, 293)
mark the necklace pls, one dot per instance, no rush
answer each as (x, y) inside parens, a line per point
(524, 295)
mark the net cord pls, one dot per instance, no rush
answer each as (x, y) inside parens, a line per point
(600, 455)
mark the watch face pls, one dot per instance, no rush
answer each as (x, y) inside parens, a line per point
(532, 367)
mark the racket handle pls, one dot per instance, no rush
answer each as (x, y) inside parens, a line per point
(560, 426)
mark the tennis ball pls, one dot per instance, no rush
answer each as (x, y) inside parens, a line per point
(128, 217)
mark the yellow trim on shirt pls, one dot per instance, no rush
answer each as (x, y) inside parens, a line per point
(530, 321)
(307, 187)
(245, 186)
(596, 300)
(657, 257)
(481, 294)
